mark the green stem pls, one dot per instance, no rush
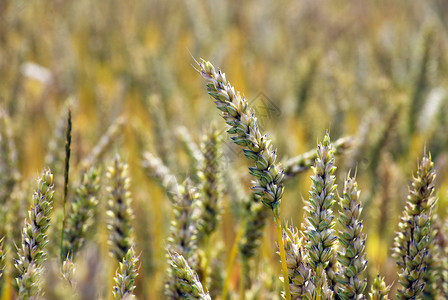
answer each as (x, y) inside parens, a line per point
(283, 258)
(68, 141)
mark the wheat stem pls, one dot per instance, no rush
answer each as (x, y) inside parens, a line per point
(231, 261)
(68, 141)
(283, 258)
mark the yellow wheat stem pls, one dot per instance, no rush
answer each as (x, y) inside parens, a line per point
(283, 258)
(230, 263)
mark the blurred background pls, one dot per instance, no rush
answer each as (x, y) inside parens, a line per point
(373, 70)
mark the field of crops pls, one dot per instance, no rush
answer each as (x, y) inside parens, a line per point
(132, 166)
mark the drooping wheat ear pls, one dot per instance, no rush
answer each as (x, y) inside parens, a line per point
(379, 290)
(303, 162)
(411, 242)
(319, 219)
(31, 254)
(105, 142)
(119, 211)
(2, 257)
(125, 276)
(246, 133)
(81, 213)
(299, 272)
(187, 282)
(351, 256)
(156, 169)
(210, 179)
(257, 147)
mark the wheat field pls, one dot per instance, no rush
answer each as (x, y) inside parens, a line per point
(223, 150)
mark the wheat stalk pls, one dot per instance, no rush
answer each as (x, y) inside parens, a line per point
(68, 142)
(2, 258)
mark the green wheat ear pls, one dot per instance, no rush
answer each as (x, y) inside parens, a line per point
(299, 273)
(186, 280)
(31, 254)
(81, 213)
(258, 148)
(125, 276)
(411, 243)
(120, 214)
(351, 256)
(319, 219)
(210, 179)
(379, 290)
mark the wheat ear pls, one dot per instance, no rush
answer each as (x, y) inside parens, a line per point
(125, 276)
(299, 272)
(351, 256)
(81, 213)
(379, 290)
(187, 281)
(31, 254)
(119, 211)
(411, 242)
(258, 148)
(319, 219)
